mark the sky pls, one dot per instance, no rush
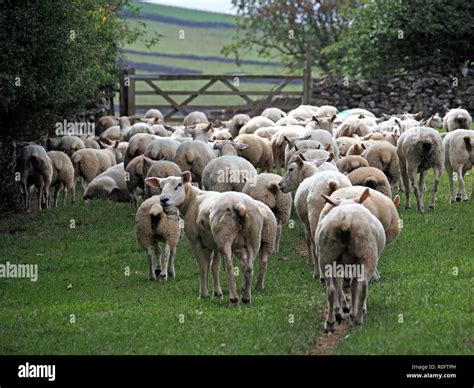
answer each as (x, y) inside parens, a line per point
(220, 6)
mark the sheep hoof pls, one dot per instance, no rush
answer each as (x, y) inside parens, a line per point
(234, 301)
(152, 278)
(329, 327)
(218, 294)
(466, 200)
(171, 274)
(345, 309)
(245, 301)
(338, 318)
(158, 271)
(458, 199)
(163, 277)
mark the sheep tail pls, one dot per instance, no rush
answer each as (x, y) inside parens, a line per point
(371, 183)
(467, 142)
(344, 232)
(240, 211)
(332, 185)
(386, 157)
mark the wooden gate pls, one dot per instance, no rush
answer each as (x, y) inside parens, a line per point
(174, 110)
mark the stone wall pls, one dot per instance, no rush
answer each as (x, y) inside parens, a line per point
(427, 91)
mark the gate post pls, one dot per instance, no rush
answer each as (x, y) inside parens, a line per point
(127, 93)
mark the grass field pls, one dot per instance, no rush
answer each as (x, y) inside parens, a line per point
(118, 314)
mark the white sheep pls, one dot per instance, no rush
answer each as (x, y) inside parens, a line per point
(384, 157)
(371, 177)
(35, 169)
(162, 149)
(67, 144)
(160, 169)
(273, 114)
(109, 185)
(63, 176)
(157, 224)
(194, 118)
(194, 156)
(265, 189)
(457, 118)
(458, 158)
(255, 123)
(217, 225)
(349, 235)
(234, 125)
(420, 149)
(258, 151)
(154, 113)
(137, 145)
(350, 163)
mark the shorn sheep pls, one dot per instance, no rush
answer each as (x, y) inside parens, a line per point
(371, 177)
(35, 169)
(63, 176)
(157, 224)
(217, 225)
(457, 118)
(351, 237)
(109, 185)
(458, 158)
(420, 149)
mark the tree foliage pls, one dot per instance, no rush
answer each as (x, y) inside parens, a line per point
(294, 31)
(387, 37)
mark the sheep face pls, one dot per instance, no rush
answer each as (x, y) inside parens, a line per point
(173, 189)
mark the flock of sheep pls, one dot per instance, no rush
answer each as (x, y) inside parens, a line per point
(341, 172)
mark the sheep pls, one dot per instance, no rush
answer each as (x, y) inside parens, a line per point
(355, 112)
(35, 169)
(352, 125)
(382, 207)
(194, 156)
(121, 150)
(109, 185)
(199, 132)
(356, 149)
(266, 132)
(420, 149)
(228, 147)
(435, 121)
(161, 130)
(63, 176)
(280, 140)
(217, 225)
(267, 242)
(160, 169)
(266, 190)
(255, 123)
(371, 177)
(137, 145)
(194, 118)
(295, 145)
(104, 123)
(156, 224)
(116, 132)
(457, 118)
(310, 154)
(89, 163)
(458, 157)
(326, 111)
(134, 178)
(383, 136)
(384, 157)
(259, 151)
(237, 122)
(303, 112)
(309, 203)
(349, 235)
(327, 141)
(154, 113)
(221, 134)
(344, 143)
(288, 121)
(162, 149)
(228, 173)
(67, 144)
(349, 163)
(89, 142)
(273, 114)
(137, 128)
(322, 123)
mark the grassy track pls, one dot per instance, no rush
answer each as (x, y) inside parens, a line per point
(118, 314)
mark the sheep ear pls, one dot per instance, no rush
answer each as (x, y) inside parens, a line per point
(286, 139)
(467, 142)
(328, 147)
(273, 187)
(116, 144)
(361, 116)
(300, 160)
(332, 201)
(209, 127)
(186, 177)
(153, 182)
(333, 118)
(387, 117)
(315, 119)
(396, 200)
(419, 115)
(364, 196)
(218, 145)
(296, 148)
(146, 159)
(363, 146)
(330, 157)
(242, 146)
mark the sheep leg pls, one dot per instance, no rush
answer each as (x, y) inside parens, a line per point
(203, 257)
(411, 174)
(277, 238)
(263, 262)
(421, 191)
(354, 300)
(362, 296)
(247, 266)
(171, 271)
(309, 244)
(341, 295)
(337, 301)
(158, 259)
(27, 195)
(406, 184)
(461, 194)
(164, 263)
(437, 175)
(449, 171)
(330, 324)
(226, 254)
(215, 267)
(56, 195)
(40, 196)
(149, 256)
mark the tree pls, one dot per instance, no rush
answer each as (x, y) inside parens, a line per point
(294, 31)
(390, 37)
(57, 57)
